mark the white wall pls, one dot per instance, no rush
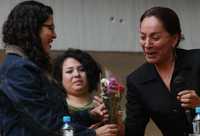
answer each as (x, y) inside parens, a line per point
(88, 24)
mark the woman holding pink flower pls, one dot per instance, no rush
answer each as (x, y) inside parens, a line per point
(79, 74)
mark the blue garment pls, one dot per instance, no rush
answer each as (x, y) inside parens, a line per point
(31, 103)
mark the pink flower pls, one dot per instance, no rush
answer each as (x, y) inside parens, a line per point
(111, 86)
(111, 92)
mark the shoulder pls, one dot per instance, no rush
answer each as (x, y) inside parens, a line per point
(16, 68)
(142, 74)
(15, 62)
(188, 56)
(188, 53)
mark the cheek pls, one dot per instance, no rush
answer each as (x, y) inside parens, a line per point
(44, 40)
(159, 45)
(66, 81)
(164, 46)
(163, 50)
(66, 84)
(84, 77)
(42, 35)
(45, 36)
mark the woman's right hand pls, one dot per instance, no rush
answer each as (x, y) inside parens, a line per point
(99, 112)
(107, 130)
(188, 98)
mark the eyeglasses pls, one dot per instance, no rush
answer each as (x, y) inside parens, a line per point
(50, 27)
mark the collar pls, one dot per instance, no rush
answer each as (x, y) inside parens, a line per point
(182, 60)
(13, 49)
(148, 71)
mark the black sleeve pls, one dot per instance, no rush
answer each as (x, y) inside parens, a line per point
(80, 130)
(136, 116)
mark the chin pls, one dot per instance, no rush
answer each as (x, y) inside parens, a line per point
(78, 88)
(151, 61)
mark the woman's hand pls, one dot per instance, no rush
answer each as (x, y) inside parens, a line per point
(99, 112)
(120, 123)
(107, 130)
(188, 98)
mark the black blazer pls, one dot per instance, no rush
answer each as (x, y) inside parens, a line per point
(148, 97)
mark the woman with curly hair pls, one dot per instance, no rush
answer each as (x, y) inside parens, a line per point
(32, 104)
(79, 74)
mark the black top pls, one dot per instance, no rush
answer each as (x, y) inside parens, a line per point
(147, 96)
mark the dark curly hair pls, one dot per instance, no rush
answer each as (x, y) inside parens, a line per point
(22, 29)
(92, 68)
(168, 17)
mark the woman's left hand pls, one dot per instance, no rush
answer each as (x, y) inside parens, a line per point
(188, 98)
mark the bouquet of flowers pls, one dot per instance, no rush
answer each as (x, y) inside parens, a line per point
(111, 93)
